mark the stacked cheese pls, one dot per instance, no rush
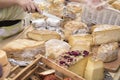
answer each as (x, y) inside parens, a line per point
(43, 35)
(105, 34)
(80, 42)
(3, 58)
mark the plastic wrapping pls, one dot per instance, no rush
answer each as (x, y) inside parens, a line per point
(53, 22)
(39, 23)
(55, 47)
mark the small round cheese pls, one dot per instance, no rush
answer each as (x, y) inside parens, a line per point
(3, 58)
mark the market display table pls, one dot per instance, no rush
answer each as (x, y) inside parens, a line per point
(115, 75)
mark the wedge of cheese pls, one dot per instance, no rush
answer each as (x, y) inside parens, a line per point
(74, 39)
(43, 35)
(3, 58)
(79, 67)
(94, 70)
(81, 45)
(80, 42)
(24, 49)
(105, 34)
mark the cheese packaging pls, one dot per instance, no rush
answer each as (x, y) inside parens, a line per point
(105, 34)
(39, 23)
(43, 35)
(53, 22)
(94, 70)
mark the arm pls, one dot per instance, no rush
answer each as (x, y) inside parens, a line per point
(7, 3)
(27, 5)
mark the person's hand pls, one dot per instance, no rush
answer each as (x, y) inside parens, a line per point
(28, 5)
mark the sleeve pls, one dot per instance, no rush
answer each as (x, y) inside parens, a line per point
(12, 13)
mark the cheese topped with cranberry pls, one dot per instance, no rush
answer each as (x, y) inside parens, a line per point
(69, 58)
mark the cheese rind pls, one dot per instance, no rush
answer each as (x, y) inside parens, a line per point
(3, 58)
(24, 49)
(108, 52)
(105, 34)
(80, 42)
(72, 26)
(43, 35)
(81, 45)
(94, 70)
(74, 39)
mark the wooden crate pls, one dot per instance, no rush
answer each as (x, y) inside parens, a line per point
(27, 72)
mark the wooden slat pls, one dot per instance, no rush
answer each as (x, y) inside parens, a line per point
(29, 73)
(26, 69)
(13, 70)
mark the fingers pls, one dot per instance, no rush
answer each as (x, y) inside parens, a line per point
(32, 7)
(28, 5)
(38, 9)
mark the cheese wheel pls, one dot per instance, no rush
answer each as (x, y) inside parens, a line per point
(3, 58)
(105, 34)
(43, 35)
